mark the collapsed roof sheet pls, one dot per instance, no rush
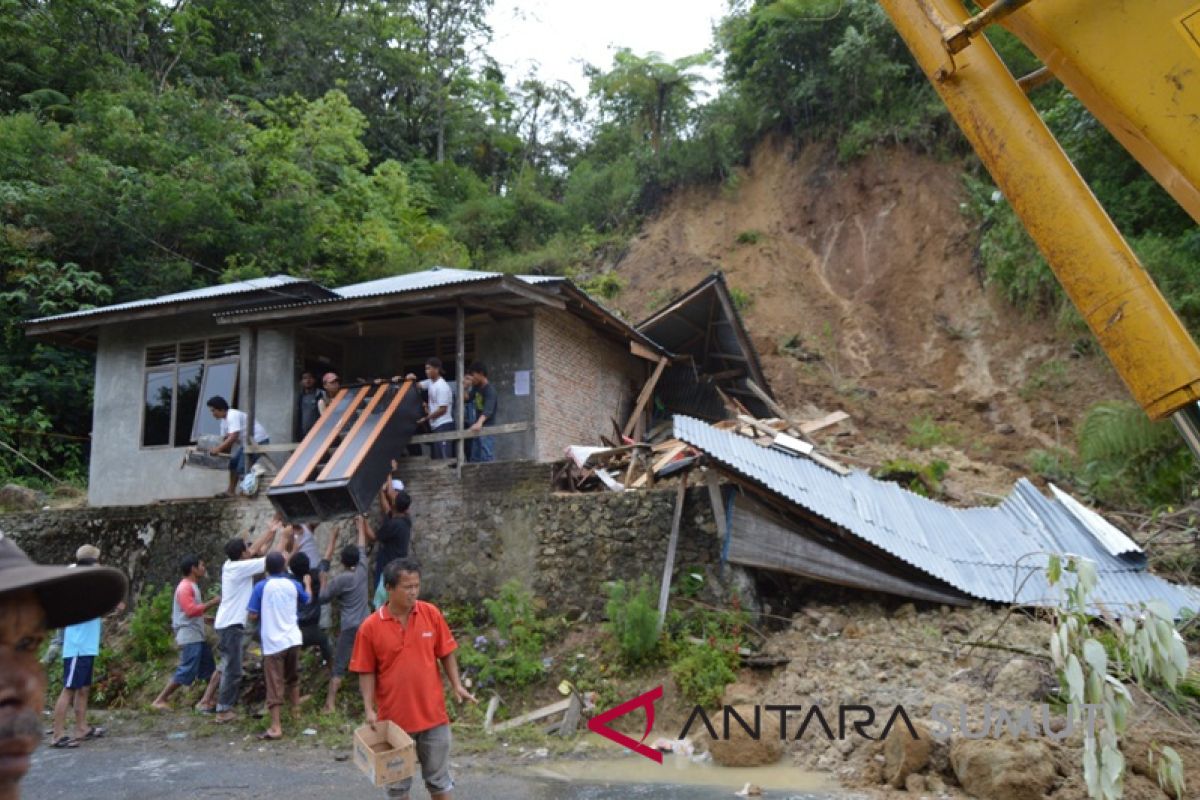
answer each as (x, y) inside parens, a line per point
(997, 554)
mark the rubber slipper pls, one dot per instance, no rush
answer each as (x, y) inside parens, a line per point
(266, 737)
(95, 732)
(64, 742)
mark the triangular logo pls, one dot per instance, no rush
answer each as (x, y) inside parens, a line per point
(599, 724)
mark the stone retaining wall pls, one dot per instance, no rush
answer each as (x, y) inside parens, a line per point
(499, 522)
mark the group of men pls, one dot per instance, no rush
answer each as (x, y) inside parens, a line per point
(396, 649)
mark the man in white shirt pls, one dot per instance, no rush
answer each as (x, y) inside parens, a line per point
(237, 582)
(274, 601)
(233, 436)
(440, 399)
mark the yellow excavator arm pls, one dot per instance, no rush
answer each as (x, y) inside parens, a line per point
(1135, 64)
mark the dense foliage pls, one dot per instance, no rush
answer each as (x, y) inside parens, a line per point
(149, 147)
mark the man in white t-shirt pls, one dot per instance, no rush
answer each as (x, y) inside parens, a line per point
(274, 601)
(237, 582)
(439, 401)
(233, 435)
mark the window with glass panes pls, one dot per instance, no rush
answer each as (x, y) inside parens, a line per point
(180, 377)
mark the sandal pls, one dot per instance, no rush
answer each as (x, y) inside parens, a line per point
(95, 732)
(267, 737)
(65, 741)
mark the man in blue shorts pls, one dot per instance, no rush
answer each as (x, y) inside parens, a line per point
(187, 618)
(81, 647)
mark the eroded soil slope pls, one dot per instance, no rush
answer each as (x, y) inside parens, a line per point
(864, 293)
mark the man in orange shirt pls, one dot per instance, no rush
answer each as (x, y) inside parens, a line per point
(396, 654)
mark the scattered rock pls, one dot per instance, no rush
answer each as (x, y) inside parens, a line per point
(1005, 429)
(904, 755)
(914, 784)
(1020, 679)
(906, 611)
(19, 498)
(1001, 769)
(739, 750)
(935, 784)
(853, 631)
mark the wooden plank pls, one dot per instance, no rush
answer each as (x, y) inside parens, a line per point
(327, 473)
(493, 704)
(373, 438)
(641, 351)
(815, 425)
(665, 459)
(533, 716)
(664, 591)
(644, 397)
(713, 481)
(770, 403)
(570, 722)
(251, 389)
(322, 448)
(497, 430)
(829, 464)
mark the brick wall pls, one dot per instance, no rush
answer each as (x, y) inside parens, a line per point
(583, 380)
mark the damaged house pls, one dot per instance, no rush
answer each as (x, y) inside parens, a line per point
(565, 368)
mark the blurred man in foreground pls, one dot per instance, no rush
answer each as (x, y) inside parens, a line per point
(34, 598)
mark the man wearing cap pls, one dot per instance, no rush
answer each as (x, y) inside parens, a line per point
(330, 386)
(33, 598)
(81, 647)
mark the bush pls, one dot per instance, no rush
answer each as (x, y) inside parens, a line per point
(1130, 461)
(922, 479)
(150, 636)
(703, 672)
(704, 650)
(633, 620)
(514, 656)
(924, 433)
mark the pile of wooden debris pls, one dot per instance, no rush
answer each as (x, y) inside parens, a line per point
(628, 464)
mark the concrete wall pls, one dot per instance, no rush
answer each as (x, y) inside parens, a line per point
(583, 381)
(123, 472)
(500, 522)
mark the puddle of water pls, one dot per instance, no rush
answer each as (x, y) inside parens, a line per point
(681, 771)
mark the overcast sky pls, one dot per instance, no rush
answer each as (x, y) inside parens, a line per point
(558, 34)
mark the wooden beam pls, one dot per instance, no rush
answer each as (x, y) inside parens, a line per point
(523, 289)
(495, 430)
(644, 397)
(641, 351)
(713, 482)
(664, 591)
(727, 356)
(770, 403)
(533, 716)
(460, 357)
(251, 391)
(824, 422)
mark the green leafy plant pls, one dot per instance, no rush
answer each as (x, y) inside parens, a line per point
(633, 620)
(1048, 377)
(742, 300)
(749, 237)
(150, 625)
(704, 649)
(512, 655)
(1127, 460)
(923, 479)
(606, 285)
(1146, 650)
(703, 672)
(924, 433)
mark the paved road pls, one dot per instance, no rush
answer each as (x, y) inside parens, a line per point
(141, 768)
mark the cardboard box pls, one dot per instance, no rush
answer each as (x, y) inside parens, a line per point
(385, 754)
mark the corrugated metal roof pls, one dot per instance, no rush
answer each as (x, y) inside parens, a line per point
(997, 553)
(193, 295)
(428, 279)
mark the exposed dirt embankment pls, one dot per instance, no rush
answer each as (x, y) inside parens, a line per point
(864, 293)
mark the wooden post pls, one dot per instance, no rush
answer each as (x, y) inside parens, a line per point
(460, 356)
(669, 566)
(644, 397)
(251, 391)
